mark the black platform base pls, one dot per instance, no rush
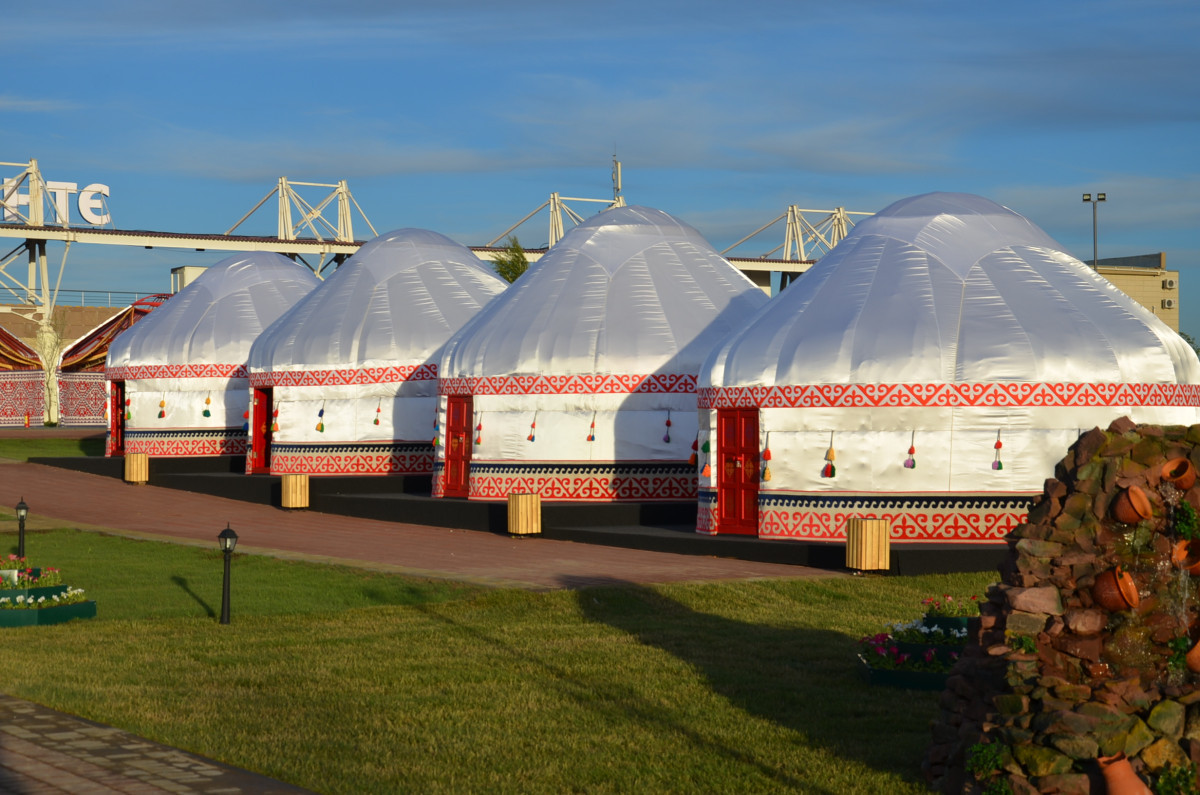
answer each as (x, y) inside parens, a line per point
(657, 526)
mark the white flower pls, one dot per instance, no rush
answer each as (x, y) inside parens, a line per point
(4, 600)
(20, 600)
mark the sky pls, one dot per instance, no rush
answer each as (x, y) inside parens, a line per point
(462, 116)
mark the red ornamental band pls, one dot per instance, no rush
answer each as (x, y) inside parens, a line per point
(581, 384)
(145, 372)
(350, 377)
(382, 463)
(203, 446)
(586, 488)
(1017, 393)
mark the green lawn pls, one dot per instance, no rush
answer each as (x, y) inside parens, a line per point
(345, 681)
(24, 449)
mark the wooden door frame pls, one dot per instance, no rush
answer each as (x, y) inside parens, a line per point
(116, 418)
(260, 429)
(456, 437)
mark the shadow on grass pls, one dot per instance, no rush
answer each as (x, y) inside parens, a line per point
(187, 589)
(613, 697)
(805, 680)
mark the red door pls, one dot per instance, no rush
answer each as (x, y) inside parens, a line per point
(459, 412)
(116, 418)
(737, 471)
(260, 431)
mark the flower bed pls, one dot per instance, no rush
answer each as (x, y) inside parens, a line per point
(919, 654)
(33, 596)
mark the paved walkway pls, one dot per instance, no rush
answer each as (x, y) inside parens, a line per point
(42, 751)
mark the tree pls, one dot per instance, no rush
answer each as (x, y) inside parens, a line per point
(511, 263)
(1188, 339)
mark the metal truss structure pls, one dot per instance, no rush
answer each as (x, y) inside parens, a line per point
(808, 234)
(559, 208)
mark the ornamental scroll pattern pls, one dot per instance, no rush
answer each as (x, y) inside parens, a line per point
(22, 394)
(81, 398)
(387, 458)
(1017, 393)
(144, 372)
(586, 384)
(167, 444)
(574, 482)
(349, 377)
(914, 518)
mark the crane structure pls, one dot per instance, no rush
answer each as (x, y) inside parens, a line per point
(808, 234)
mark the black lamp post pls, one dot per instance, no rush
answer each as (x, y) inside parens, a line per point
(227, 540)
(22, 513)
(1087, 197)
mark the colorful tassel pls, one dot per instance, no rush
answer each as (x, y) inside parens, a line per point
(829, 470)
(532, 427)
(378, 410)
(911, 462)
(435, 432)
(704, 447)
(707, 471)
(320, 419)
(479, 431)
(766, 473)
(207, 403)
(997, 464)
(667, 435)
(592, 431)
(162, 407)
(692, 460)
(128, 411)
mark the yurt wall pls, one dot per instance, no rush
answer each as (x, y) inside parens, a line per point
(931, 370)
(352, 369)
(181, 371)
(579, 382)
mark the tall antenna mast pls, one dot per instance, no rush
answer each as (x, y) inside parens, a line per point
(618, 201)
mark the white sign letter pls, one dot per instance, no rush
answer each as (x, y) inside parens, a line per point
(61, 191)
(90, 206)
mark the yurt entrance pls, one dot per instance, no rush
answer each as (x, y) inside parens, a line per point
(459, 413)
(260, 431)
(737, 471)
(116, 418)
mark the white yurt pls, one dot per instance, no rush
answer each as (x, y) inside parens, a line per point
(930, 370)
(177, 379)
(350, 372)
(579, 382)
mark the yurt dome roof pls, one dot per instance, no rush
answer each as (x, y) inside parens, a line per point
(630, 290)
(399, 298)
(216, 318)
(951, 287)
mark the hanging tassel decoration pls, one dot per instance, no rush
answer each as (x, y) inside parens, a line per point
(997, 463)
(275, 421)
(479, 430)
(829, 470)
(435, 432)
(321, 419)
(533, 427)
(378, 410)
(128, 409)
(592, 431)
(667, 435)
(707, 471)
(162, 407)
(246, 424)
(910, 462)
(207, 403)
(695, 447)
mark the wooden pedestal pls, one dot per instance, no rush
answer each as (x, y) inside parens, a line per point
(295, 491)
(524, 514)
(868, 545)
(137, 468)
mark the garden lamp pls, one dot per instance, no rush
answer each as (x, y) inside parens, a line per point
(227, 540)
(22, 512)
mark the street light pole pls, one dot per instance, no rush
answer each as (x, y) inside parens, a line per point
(1087, 197)
(22, 512)
(228, 540)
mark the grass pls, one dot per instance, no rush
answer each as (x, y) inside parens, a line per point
(344, 681)
(22, 449)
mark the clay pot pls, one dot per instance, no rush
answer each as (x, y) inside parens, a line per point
(1186, 555)
(1192, 658)
(1180, 473)
(1115, 591)
(1131, 506)
(1120, 778)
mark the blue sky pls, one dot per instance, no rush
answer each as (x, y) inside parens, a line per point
(461, 116)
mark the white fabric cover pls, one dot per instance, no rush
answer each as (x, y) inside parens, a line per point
(394, 304)
(944, 288)
(631, 291)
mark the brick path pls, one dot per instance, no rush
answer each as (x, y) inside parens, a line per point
(42, 751)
